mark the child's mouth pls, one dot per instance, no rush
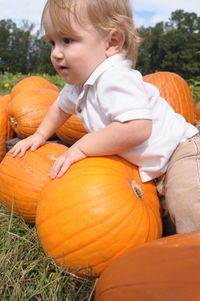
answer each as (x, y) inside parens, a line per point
(63, 69)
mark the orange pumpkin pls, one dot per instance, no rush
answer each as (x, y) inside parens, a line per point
(98, 210)
(71, 131)
(27, 110)
(30, 83)
(166, 269)
(22, 179)
(197, 111)
(176, 91)
(6, 131)
(2, 147)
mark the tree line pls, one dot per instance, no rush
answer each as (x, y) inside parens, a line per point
(168, 46)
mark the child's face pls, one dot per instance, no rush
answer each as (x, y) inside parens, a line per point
(75, 57)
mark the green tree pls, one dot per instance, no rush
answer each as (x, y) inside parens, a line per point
(149, 55)
(16, 46)
(181, 20)
(172, 46)
(22, 48)
(43, 62)
(22, 51)
(7, 29)
(180, 44)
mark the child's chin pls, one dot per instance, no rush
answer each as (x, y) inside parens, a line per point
(71, 81)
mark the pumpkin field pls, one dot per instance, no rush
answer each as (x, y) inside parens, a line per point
(55, 246)
(8, 80)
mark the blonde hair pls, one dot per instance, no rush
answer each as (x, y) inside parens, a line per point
(104, 15)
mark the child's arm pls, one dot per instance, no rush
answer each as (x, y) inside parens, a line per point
(114, 139)
(54, 118)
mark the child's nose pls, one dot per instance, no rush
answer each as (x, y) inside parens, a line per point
(57, 53)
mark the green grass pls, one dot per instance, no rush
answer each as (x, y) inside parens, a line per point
(195, 89)
(26, 273)
(8, 80)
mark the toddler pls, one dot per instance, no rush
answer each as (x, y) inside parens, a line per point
(94, 48)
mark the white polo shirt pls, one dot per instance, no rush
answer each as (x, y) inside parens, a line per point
(116, 92)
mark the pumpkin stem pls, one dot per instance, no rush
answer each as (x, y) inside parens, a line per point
(137, 190)
(13, 121)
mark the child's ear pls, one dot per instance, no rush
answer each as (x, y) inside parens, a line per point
(115, 42)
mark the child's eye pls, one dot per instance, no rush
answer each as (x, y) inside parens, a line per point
(67, 40)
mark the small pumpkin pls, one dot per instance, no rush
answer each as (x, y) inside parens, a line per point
(176, 91)
(71, 131)
(98, 210)
(6, 131)
(27, 110)
(30, 83)
(22, 179)
(165, 269)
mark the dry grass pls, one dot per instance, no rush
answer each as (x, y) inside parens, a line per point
(26, 273)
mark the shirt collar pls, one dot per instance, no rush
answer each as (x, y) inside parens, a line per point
(109, 62)
(75, 92)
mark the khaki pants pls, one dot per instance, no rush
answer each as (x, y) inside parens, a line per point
(180, 186)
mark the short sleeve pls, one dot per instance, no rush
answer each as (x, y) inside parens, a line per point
(122, 96)
(67, 99)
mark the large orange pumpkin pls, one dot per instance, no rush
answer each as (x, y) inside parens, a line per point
(166, 269)
(22, 179)
(27, 110)
(176, 91)
(71, 131)
(6, 131)
(98, 210)
(30, 83)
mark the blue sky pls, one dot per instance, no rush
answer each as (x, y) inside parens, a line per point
(146, 12)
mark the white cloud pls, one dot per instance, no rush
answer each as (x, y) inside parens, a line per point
(139, 21)
(158, 18)
(18, 10)
(150, 12)
(168, 6)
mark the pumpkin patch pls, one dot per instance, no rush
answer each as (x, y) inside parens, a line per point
(100, 209)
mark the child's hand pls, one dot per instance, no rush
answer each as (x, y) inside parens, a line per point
(69, 157)
(32, 142)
